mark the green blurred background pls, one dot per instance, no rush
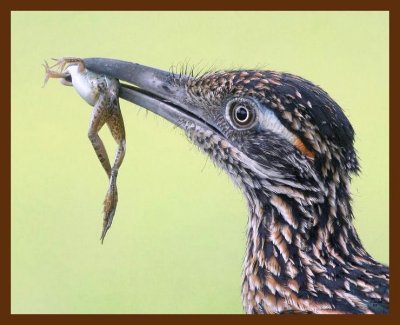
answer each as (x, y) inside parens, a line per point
(178, 237)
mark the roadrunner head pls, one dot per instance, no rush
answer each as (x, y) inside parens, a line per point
(282, 128)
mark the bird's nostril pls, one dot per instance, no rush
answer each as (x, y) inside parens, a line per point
(166, 88)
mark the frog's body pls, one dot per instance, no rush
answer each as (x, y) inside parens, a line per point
(101, 92)
(85, 83)
(90, 85)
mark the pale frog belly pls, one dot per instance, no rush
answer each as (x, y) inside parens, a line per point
(85, 89)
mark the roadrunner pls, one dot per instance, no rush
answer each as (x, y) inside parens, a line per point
(289, 147)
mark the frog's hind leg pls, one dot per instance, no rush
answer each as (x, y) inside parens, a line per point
(99, 117)
(116, 126)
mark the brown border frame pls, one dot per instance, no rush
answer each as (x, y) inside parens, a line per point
(5, 163)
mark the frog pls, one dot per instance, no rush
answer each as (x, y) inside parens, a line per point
(102, 93)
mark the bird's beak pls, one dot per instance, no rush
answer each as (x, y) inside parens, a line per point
(154, 89)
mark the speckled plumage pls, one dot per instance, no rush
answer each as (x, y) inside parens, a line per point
(303, 253)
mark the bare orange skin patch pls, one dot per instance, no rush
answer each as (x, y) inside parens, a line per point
(303, 149)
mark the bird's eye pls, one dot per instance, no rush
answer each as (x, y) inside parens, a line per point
(241, 114)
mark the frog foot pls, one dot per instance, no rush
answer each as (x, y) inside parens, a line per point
(110, 205)
(49, 73)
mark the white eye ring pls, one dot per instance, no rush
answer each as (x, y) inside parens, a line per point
(241, 113)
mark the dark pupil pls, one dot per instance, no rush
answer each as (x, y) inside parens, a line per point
(241, 113)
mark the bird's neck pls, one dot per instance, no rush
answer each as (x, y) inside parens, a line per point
(294, 249)
(303, 253)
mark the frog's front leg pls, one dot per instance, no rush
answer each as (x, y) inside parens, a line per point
(54, 74)
(116, 126)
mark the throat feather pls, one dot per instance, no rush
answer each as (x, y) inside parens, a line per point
(296, 263)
